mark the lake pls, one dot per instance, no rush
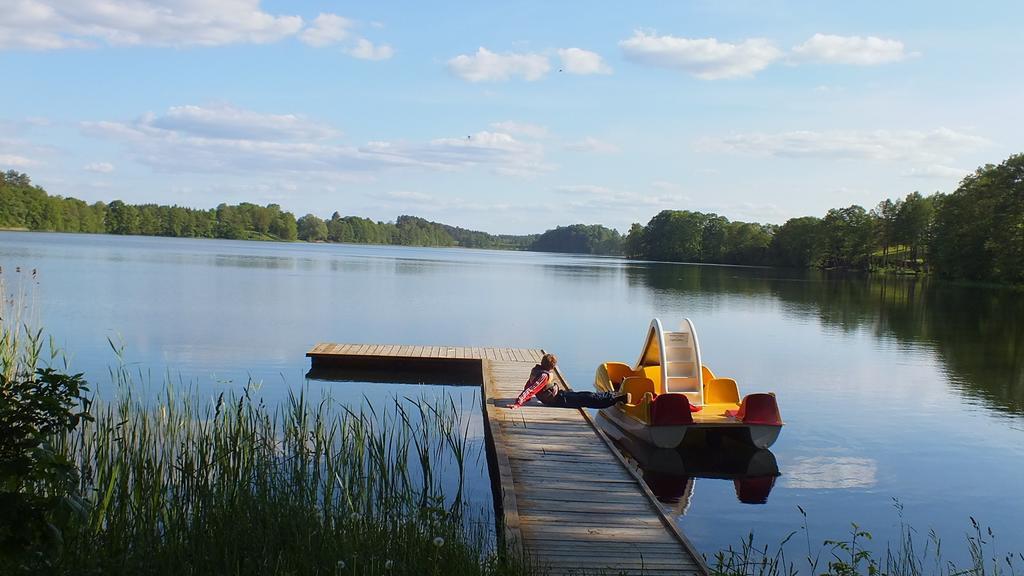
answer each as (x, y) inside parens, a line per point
(902, 398)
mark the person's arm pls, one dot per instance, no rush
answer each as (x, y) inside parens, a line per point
(531, 390)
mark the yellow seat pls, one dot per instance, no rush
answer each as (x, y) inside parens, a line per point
(637, 386)
(654, 374)
(617, 372)
(706, 373)
(721, 391)
(641, 391)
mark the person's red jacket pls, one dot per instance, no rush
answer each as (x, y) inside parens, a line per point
(539, 381)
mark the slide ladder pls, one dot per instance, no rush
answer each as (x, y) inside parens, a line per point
(677, 354)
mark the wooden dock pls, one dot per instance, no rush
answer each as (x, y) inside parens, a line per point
(566, 497)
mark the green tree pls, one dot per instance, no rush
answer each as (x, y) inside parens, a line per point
(713, 238)
(979, 228)
(285, 227)
(634, 241)
(746, 243)
(579, 239)
(797, 243)
(913, 222)
(674, 236)
(122, 218)
(311, 228)
(884, 216)
(847, 235)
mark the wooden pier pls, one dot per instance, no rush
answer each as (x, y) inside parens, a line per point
(566, 496)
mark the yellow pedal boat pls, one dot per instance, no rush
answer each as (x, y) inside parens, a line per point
(675, 398)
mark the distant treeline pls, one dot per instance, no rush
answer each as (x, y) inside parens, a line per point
(405, 231)
(25, 206)
(976, 232)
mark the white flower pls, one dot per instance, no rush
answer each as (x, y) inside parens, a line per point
(438, 541)
(388, 564)
(339, 566)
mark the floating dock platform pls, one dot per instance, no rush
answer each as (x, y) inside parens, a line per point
(564, 494)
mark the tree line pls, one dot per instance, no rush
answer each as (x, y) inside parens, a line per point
(975, 232)
(26, 206)
(404, 231)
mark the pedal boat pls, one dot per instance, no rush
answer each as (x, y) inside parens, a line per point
(674, 398)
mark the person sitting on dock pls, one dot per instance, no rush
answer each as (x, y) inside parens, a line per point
(542, 385)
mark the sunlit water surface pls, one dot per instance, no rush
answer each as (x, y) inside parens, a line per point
(892, 390)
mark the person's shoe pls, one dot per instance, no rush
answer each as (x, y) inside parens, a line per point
(624, 398)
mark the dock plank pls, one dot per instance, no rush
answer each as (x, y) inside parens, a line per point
(568, 499)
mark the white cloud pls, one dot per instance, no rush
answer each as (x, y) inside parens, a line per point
(366, 50)
(16, 151)
(935, 146)
(831, 472)
(99, 167)
(705, 58)
(748, 211)
(666, 186)
(59, 24)
(587, 189)
(15, 161)
(591, 145)
(431, 204)
(936, 171)
(326, 29)
(582, 62)
(506, 154)
(597, 198)
(225, 121)
(487, 66)
(409, 196)
(53, 24)
(855, 50)
(197, 139)
(521, 128)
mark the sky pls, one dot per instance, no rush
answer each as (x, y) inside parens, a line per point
(509, 117)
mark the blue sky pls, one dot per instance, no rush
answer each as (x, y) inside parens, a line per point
(509, 118)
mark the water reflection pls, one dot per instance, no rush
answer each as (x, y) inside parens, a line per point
(832, 472)
(671, 473)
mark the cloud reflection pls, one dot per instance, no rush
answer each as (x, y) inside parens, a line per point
(831, 472)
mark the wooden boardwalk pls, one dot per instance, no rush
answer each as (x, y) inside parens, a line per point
(567, 498)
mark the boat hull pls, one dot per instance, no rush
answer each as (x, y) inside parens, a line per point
(660, 436)
(696, 434)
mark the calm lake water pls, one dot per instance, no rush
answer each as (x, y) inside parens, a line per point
(891, 389)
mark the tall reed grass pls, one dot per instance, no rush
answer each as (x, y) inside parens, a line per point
(308, 487)
(21, 340)
(909, 555)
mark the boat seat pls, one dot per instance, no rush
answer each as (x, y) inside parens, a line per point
(637, 386)
(706, 373)
(654, 373)
(758, 408)
(617, 372)
(721, 391)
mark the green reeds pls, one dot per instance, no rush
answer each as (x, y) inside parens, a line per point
(234, 487)
(21, 343)
(909, 555)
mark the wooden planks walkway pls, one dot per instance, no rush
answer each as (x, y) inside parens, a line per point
(568, 500)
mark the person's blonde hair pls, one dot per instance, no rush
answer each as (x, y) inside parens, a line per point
(548, 361)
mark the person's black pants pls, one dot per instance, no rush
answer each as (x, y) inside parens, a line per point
(582, 400)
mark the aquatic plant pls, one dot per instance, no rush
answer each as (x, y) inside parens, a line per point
(909, 555)
(182, 486)
(38, 483)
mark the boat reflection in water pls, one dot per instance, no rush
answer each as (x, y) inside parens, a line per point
(671, 473)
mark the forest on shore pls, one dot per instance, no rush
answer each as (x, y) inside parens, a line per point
(975, 232)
